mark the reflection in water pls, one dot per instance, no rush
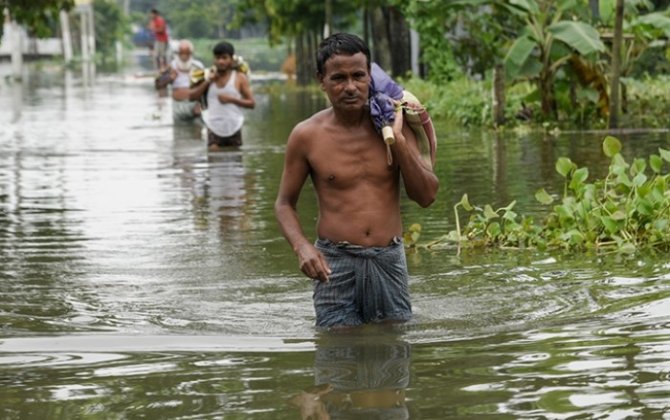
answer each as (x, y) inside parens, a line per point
(88, 73)
(358, 373)
(17, 102)
(224, 189)
(219, 181)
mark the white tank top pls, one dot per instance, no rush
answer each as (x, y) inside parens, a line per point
(223, 119)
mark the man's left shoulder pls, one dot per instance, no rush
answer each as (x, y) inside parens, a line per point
(240, 75)
(197, 64)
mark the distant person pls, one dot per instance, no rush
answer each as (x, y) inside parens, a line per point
(158, 27)
(358, 262)
(227, 91)
(183, 108)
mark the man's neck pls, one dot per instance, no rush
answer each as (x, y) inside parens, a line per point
(351, 118)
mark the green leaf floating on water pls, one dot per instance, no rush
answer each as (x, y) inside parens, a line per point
(656, 163)
(489, 213)
(611, 146)
(564, 166)
(665, 154)
(543, 197)
(465, 203)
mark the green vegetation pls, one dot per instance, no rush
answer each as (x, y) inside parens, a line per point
(626, 211)
(39, 16)
(467, 102)
(110, 27)
(256, 51)
(556, 55)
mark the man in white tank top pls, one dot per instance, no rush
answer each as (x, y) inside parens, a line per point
(228, 93)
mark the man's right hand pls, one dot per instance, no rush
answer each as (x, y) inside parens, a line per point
(312, 263)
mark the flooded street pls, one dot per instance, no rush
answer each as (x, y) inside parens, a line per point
(141, 277)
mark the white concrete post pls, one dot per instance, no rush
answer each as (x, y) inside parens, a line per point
(67, 36)
(414, 51)
(17, 50)
(84, 28)
(91, 30)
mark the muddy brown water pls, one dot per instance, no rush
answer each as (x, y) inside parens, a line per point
(142, 278)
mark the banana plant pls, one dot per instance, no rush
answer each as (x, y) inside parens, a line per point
(548, 41)
(650, 29)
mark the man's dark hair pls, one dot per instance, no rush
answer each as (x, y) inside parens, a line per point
(223, 47)
(155, 11)
(340, 44)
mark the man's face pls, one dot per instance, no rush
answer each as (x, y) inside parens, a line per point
(346, 81)
(184, 54)
(223, 62)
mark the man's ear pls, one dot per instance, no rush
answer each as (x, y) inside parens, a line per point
(319, 77)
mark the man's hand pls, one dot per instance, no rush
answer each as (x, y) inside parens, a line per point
(312, 263)
(397, 126)
(226, 99)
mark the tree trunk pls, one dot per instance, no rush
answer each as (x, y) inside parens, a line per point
(305, 53)
(498, 95)
(382, 51)
(547, 94)
(400, 43)
(616, 66)
(300, 56)
(328, 19)
(595, 9)
(366, 24)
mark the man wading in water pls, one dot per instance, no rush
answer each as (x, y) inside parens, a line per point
(358, 263)
(184, 109)
(228, 92)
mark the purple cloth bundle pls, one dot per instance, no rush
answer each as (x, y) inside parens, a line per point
(383, 92)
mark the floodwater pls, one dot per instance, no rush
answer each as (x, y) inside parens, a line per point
(142, 278)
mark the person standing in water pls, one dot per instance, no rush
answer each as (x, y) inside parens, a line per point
(358, 263)
(183, 108)
(158, 27)
(228, 93)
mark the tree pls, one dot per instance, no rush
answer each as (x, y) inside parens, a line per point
(460, 36)
(110, 26)
(297, 22)
(547, 42)
(38, 16)
(199, 18)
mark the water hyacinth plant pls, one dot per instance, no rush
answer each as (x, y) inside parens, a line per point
(627, 211)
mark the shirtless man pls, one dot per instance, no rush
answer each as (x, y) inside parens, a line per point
(358, 262)
(184, 109)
